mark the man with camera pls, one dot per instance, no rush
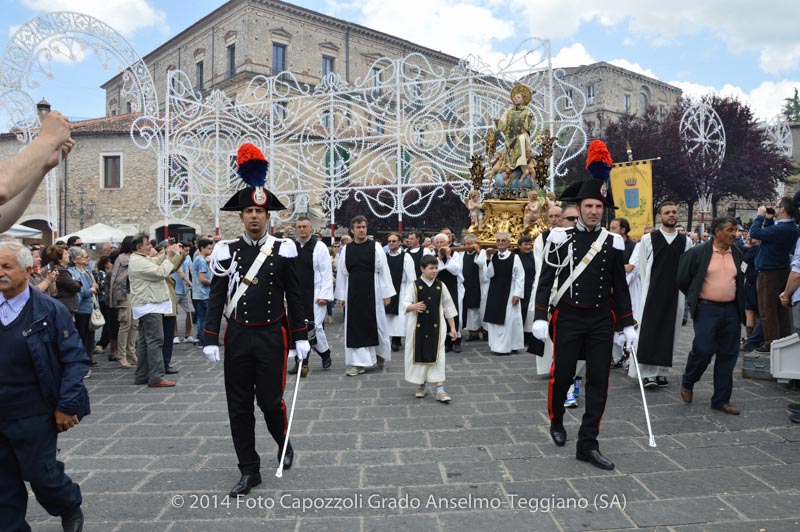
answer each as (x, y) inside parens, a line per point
(775, 228)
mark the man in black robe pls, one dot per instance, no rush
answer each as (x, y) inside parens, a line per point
(450, 264)
(528, 261)
(662, 302)
(472, 265)
(364, 288)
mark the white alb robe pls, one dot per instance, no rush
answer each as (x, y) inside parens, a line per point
(508, 337)
(422, 373)
(323, 289)
(367, 356)
(396, 323)
(475, 315)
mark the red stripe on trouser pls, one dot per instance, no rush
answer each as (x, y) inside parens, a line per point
(552, 368)
(283, 377)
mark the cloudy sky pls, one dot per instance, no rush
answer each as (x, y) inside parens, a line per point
(746, 48)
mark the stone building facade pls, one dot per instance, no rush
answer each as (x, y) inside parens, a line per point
(245, 38)
(612, 91)
(118, 178)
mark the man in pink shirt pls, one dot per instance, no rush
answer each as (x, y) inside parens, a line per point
(712, 277)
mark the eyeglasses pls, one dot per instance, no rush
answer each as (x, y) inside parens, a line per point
(570, 218)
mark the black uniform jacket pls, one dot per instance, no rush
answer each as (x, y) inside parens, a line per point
(601, 283)
(274, 295)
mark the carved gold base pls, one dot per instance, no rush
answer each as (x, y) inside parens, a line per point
(507, 216)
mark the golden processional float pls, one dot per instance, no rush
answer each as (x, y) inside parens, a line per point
(513, 186)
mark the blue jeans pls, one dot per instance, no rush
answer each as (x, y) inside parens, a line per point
(716, 332)
(200, 308)
(28, 453)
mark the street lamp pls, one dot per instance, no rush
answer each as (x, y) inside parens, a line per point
(80, 210)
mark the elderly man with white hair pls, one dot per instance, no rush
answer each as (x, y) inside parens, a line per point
(42, 367)
(506, 289)
(450, 273)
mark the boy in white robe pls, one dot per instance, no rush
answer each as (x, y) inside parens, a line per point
(425, 335)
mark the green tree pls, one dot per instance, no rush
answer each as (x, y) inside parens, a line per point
(791, 107)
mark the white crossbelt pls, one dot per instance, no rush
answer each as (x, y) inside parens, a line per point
(596, 247)
(264, 252)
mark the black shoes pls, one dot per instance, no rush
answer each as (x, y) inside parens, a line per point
(457, 346)
(794, 408)
(649, 383)
(289, 458)
(596, 458)
(559, 435)
(763, 349)
(326, 359)
(72, 521)
(395, 344)
(245, 484)
(661, 381)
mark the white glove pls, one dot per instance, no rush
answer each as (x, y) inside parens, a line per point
(301, 350)
(631, 337)
(619, 339)
(539, 329)
(212, 353)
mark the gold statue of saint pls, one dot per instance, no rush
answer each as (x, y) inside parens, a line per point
(516, 124)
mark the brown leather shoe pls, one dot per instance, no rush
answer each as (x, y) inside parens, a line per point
(728, 409)
(686, 395)
(161, 384)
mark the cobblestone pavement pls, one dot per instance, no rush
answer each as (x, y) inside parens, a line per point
(162, 459)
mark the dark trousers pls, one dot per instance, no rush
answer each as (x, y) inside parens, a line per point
(150, 364)
(28, 454)
(716, 332)
(775, 318)
(255, 368)
(756, 338)
(448, 342)
(104, 337)
(200, 310)
(169, 335)
(83, 323)
(581, 334)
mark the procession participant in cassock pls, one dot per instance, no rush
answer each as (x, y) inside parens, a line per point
(415, 248)
(364, 288)
(431, 312)
(622, 227)
(450, 273)
(252, 277)
(591, 300)
(473, 263)
(316, 280)
(401, 267)
(542, 349)
(506, 289)
(661, 311)
(525, 254)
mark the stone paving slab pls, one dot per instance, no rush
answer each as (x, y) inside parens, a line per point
(162, 459)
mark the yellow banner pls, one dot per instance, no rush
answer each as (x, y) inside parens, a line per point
(632, 189)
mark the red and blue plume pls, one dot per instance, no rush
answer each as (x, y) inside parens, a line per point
(252, 165)
(598, 160)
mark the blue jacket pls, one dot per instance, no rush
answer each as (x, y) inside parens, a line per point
(777, 243)
(58, 355)
(85, 295)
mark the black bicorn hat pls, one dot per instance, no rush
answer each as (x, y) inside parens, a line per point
(589, 189)
(252, 167)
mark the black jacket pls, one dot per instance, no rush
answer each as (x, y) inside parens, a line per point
(692, 272)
